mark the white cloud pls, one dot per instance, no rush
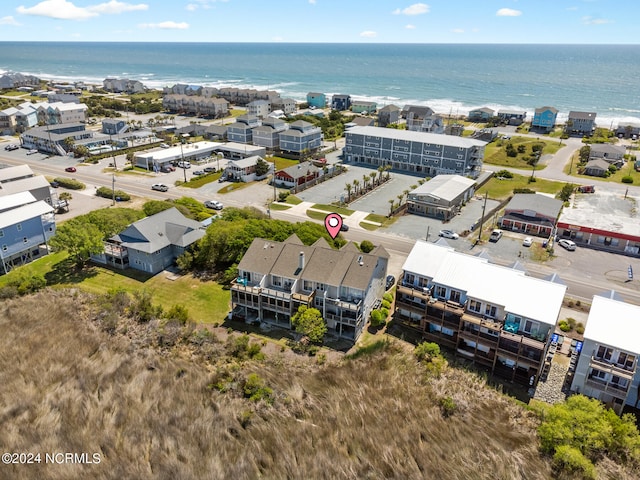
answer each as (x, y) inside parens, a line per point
(458, 30)
(9, 21)
(410, 27)
(64, 10)
(368, 34)
(312, 2)
(595, 21)
(204, 4)
(169, 25)
(415, 9)
(115, 7)
(60, 9)
(508, 12)
(192, 7)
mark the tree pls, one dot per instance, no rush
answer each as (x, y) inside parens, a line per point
(309, 322)
(372, 177)
(348, 187)
(380, 171)
(262, 167)
(565, 193)
(80, 238)
(585, 152)
(366, 246)
(356, 186)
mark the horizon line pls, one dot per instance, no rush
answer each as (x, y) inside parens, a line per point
(317, 43)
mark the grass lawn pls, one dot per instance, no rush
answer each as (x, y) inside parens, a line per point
(206, 301)
(627, 169)
(381, 219)
(345, 212)
(282, 162)
(279, 206)
(316, 215)
(234, 186)
(293, 200)
(199, 181)
(500, 189)
(496, 154)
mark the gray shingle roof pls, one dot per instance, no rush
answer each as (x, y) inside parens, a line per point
(539, 203)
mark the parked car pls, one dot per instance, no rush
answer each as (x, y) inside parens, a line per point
(495, 235)
(168, 169)
(164, 145)
(216, 205)
(344, 227)
(32, 151)
(448, 234)
(390, 281)
(527, 242)
(161, 187)
(198, 172)
(184, 164)
(54, 184)
(70, 169)
(209, 169)
(11, 147)
(222, 179)
(568, 244)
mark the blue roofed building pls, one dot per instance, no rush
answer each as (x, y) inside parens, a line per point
(544, 118)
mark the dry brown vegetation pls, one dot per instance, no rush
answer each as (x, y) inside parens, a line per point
(76, 380)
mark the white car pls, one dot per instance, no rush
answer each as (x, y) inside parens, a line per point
(184, 164)
(160, 187)
(568, 244)
(527, 242)
(164, 145)
(495, 235)
(448, 234)
(32, 151)
(216, 205)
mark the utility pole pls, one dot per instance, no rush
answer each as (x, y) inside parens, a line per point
(482, 217)
(113, 189)
(428, 227)
(184, 170)
(113, 155)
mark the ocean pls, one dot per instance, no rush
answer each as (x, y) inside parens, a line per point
(451, 79)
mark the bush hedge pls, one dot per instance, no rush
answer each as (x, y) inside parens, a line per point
(106, 192)
(70, 183)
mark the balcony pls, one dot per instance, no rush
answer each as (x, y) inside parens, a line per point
(620, 371)
(611, 388)
(530, 342)
(115, 250)
(303, 297)
(239, 285)
(418, 293)
(353, 305)
(413, 306)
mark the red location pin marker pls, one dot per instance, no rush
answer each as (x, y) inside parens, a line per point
(333, 224)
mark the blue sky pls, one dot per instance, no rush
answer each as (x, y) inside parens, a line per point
(366, 21)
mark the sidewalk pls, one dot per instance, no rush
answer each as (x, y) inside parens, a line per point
(353, 220)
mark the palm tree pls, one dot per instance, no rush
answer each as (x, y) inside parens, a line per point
(400, 197)
(365, 181)
(421, 181)
(380, 170)
(372, 176)
(391, 202)
(356, 185)
(388, 169)
(347, 187)
(406, 194)
(413, 187)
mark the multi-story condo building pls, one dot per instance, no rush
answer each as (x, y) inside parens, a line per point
(276, 278)
(428, 154)
(58, 139)
(26, 225)
(197, 105)
(301, 137)
(259, 108)
(123, 85)
(288, 105)
(316, 99)
(422, 119)
(268, 134)
(496, 316)
(388, 115)
(241, 130)
(607, 367)
(341, 102)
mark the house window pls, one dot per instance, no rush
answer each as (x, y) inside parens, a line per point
(320, 286)
(626, 360)
(490, 311)
(530, 327)
(277, 281)
(307, 285)
(24, 239)
(455, 296)
(595, 373)
(409, 278)
(475, 306)
(1, 233)
(19, 227)
(604, 353)
(621, 382)
(441, 292)
(4, 248)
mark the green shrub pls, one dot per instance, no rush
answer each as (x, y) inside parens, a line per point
(580, 328)
(426, 351)
(282, 195)
(388, 297)
(385, 304)
(447, 406)
(572, 322)
(627, 179)
(179, 313)
(366, 246)
(569, 460)
(255, 389)
(384, 312)
(106, 192)
(564, 325)
(376, 318)
(70, 183)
